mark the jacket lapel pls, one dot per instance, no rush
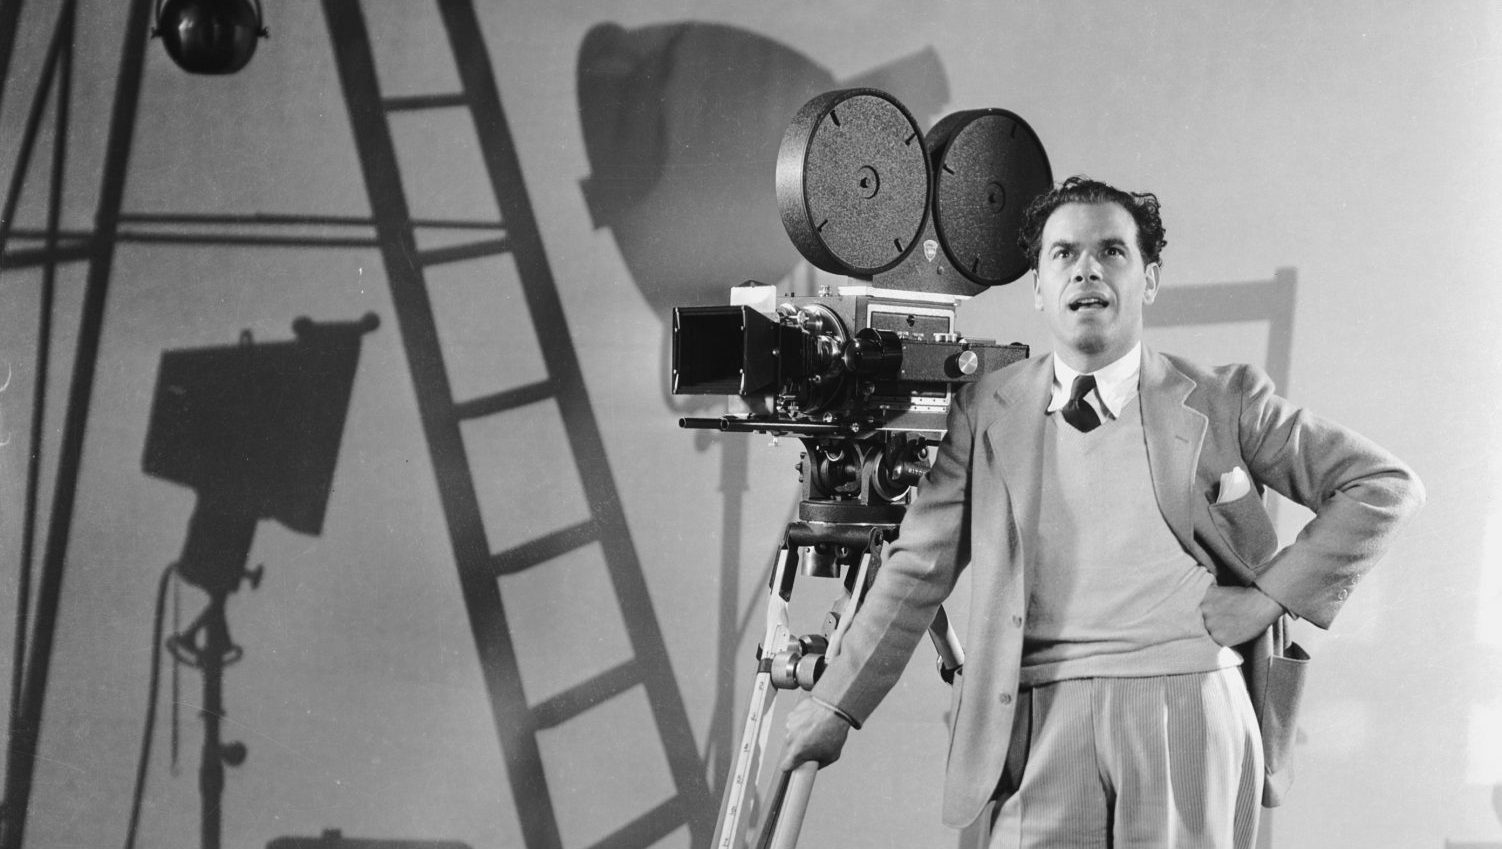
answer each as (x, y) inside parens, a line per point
(1175, 433)
(1014, 441)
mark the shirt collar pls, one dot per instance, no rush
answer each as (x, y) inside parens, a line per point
(1115, 384)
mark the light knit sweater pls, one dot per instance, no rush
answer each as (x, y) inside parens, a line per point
(1111, 591)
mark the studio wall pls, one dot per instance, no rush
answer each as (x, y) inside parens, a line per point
(1349, 147)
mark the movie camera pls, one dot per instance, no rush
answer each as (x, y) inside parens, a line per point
(863, 373)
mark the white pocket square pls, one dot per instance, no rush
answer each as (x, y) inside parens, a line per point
(1233, 485)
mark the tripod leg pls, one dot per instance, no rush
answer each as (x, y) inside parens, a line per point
(800, 782)
(857, 592)
(800, 785)
(747, 768)
(947, 643)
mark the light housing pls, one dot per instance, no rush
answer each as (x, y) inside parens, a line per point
(209, 36)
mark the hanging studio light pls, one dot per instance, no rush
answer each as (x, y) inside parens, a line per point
(209, 36)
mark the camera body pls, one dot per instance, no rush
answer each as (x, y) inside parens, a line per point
(859, 361)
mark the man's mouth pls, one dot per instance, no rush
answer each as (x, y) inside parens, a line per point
(1088, 302)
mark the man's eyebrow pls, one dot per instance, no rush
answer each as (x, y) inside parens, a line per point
(1062, 243)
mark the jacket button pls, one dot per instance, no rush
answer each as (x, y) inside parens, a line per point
(1006, 698)
(1016, 621)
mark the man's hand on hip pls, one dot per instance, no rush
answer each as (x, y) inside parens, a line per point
(1234, 615)
(814, 733)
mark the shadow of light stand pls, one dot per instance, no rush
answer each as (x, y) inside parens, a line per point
(254, 429)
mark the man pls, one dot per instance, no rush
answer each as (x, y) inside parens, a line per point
(1127, 602)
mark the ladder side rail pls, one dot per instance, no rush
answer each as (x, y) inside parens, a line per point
(10, 22)
(61, 40)
(21, 759)
(515, 725)
(43, 370)
(498, 149)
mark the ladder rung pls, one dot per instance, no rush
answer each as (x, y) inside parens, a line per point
(581, 697)
(510, 399)
(458, 253)
(424, 101)
(27, 257)
(649, 828)
(544, 548)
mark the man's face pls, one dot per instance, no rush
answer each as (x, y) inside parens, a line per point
(1091, 283)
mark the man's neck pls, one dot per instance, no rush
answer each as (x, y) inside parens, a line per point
(1090, 363)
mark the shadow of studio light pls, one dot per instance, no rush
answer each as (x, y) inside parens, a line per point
(254, 429)
(681, 126)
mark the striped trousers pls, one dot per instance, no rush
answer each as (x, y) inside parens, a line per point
(1164, 762)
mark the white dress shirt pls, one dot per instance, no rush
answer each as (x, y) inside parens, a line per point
(1115, 384)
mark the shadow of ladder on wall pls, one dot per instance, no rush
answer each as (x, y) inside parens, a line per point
(518, 723)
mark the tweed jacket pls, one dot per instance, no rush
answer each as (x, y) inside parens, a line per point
(977, 508)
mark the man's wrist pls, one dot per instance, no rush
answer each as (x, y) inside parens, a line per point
(1282, 608)
(1276, 609)
(835, 709)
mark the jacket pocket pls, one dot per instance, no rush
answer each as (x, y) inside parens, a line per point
(1277, 708)
(1246, 529)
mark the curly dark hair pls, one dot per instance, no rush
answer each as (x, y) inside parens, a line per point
(1143, 207)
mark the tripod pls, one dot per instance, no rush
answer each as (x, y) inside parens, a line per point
(831, 533)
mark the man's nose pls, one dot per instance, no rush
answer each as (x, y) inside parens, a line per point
(1086, 269)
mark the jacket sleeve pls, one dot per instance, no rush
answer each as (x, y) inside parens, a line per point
(1360, 495)
(918, 572)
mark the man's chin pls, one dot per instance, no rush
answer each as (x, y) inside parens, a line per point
(1089, 344)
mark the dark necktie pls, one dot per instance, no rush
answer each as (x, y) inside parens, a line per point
(1078, 411)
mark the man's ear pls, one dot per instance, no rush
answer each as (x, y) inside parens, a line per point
(1150, 289)
(1037, 291)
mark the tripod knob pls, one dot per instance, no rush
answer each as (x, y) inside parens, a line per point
(799, 665)
(813, 644)
(810, 667)
(785, 669)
